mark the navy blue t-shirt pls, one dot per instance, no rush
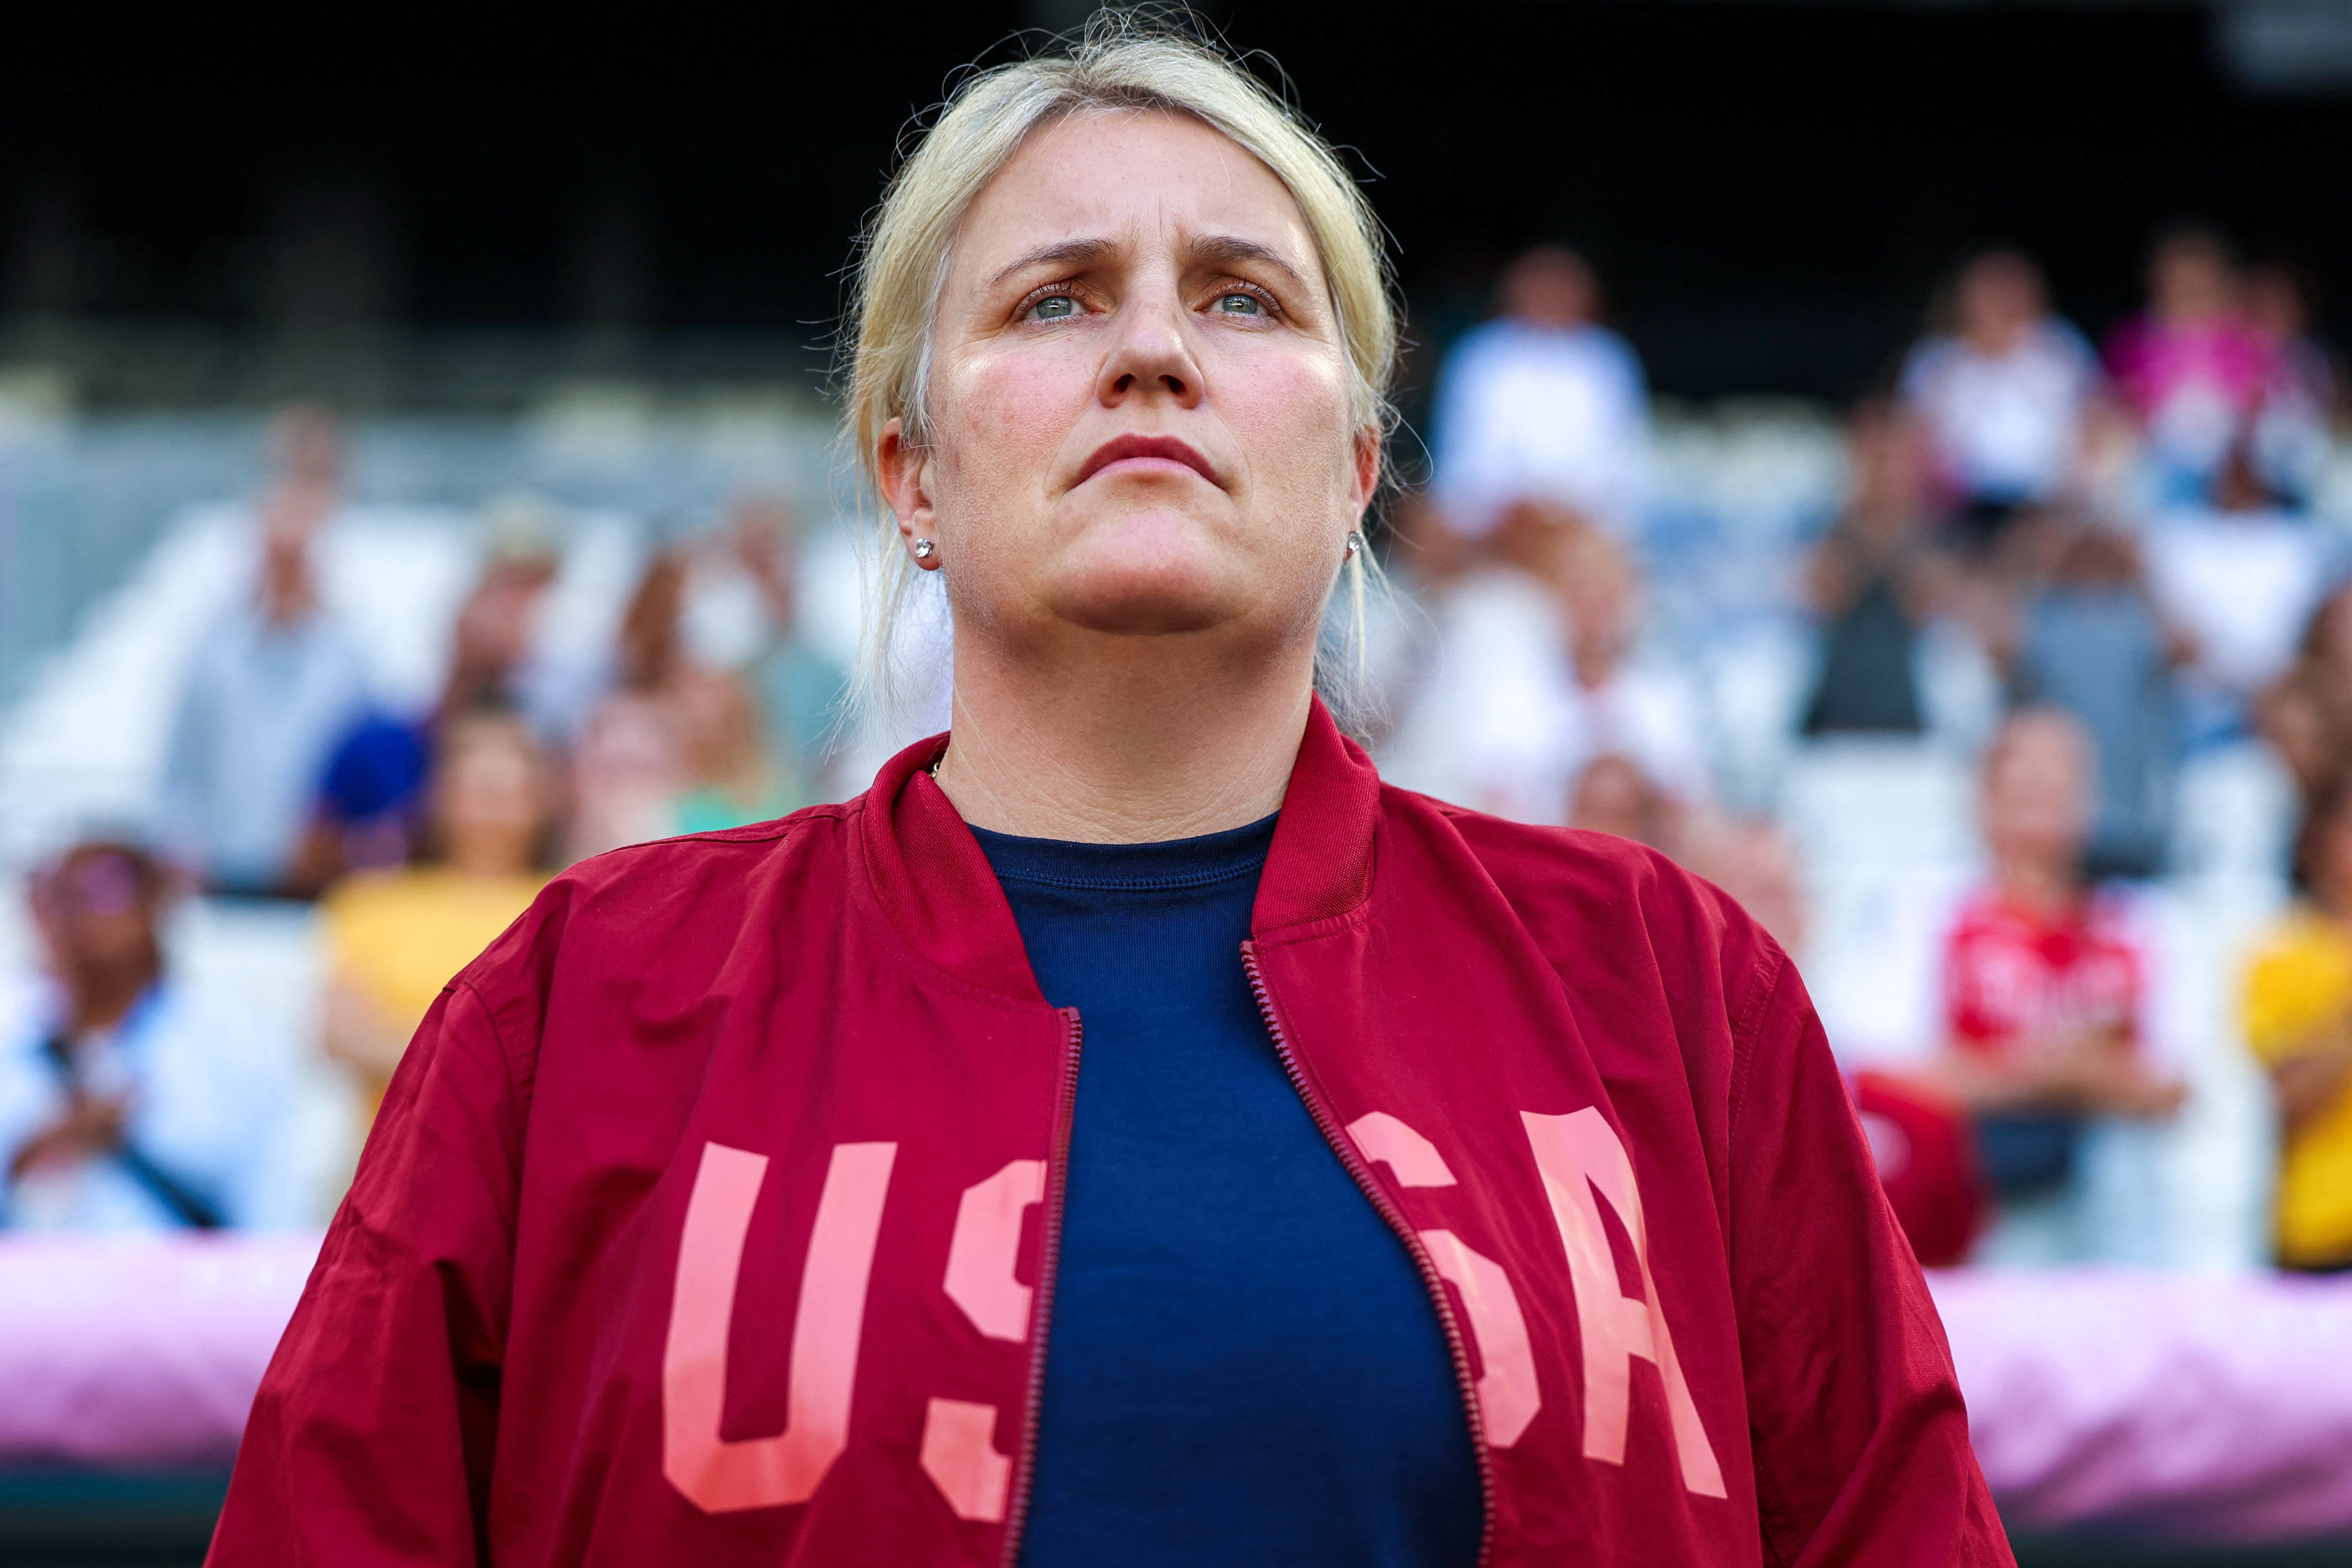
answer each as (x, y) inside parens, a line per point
(1243, 1364)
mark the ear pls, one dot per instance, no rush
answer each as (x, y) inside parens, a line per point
(1367, 468)
(905, 472)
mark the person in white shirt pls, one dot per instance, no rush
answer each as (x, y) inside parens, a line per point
(1544, 404)
(274, 688)
(2240, 579)
(126, 1101)
(1535, 678)
(2004, 393)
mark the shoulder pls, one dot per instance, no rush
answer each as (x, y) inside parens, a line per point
(700, 859)
(2301, 938)
(1929, 359)
(668, 895)
(2125, 918)
(2058, 336)
(1477, 354)
(216, 1037)
(1612, 346)
(1593, 900)
(652, 923)
(364, 893)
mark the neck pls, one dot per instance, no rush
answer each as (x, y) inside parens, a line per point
(1134, 743)
(2042, 888)
(490, 858)
(103, 997)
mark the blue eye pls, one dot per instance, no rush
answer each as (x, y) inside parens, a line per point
(1053, 308)
(1241, 304)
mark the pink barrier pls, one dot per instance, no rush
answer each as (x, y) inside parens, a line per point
(2214, 1409)
(2198, 1409)
(139, 1350)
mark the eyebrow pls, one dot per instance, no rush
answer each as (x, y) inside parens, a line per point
(1212, 248)
(1063, 253)
(1227, 247)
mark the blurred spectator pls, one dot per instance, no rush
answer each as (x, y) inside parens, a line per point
(2299, 407)
(2239, 580)
(2298, 1019)
(304, 447)
(650, 650)
(2192, 368)
(735, 781)
(274, 687)
(2306, 713)
(1613, 796)
(2043, 983)
(1751, 860)
(1424, 558)
(629, 771)
(491, 662)
(1870, 583)
(800, 690)
(1543, 404)
(126, 1103)
(1924, 1148)
(1538, 675)
(2002, 392)
(397, 936)
(369, 811)
(2091, 643)
(1615, 701)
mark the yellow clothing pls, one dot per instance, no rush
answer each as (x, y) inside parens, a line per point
(2300, 984)
(399, 936)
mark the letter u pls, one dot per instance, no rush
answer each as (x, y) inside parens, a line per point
(715, 1474)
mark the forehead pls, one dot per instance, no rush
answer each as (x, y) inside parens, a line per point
(2037, 752)
(101, 880)
(1134, 177)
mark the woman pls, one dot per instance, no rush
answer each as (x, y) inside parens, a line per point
(2297, 1009)
(2045, 984)
(725, 1210)
(396, 936)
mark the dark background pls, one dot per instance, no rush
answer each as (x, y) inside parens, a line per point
(1770, 190)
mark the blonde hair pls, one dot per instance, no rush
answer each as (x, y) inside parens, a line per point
(1136, 61)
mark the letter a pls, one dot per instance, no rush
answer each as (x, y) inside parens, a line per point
(720, 1476)
(1576, 1153)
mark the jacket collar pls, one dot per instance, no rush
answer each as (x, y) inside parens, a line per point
(936, 886)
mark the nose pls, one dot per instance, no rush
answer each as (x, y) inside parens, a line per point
(1151, 351)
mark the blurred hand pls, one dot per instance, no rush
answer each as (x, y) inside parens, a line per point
(2309, 1082)
(360, 1035)
(89, 1126)
(2098, 1071)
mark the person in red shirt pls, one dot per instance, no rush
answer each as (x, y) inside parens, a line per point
(2044, 984)
(831, 1190)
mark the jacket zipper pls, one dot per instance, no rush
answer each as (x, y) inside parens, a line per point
(1430, 1279)
(1057, 1172)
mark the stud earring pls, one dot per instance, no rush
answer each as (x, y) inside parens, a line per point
(925, 550)
(1355, 544)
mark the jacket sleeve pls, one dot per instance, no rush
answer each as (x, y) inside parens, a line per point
(370, 1442)
(1861, 1441)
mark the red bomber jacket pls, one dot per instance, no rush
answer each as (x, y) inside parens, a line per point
(711, 1217)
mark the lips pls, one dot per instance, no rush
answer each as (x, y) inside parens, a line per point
(1165, 449)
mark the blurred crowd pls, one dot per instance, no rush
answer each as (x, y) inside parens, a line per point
(2123, 534)
(127, 1100)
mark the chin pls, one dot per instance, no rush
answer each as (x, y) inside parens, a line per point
(1149, 575)
(1144, 604)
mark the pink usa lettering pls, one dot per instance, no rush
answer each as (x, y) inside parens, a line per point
(721, 1475)
(1578, 1154)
